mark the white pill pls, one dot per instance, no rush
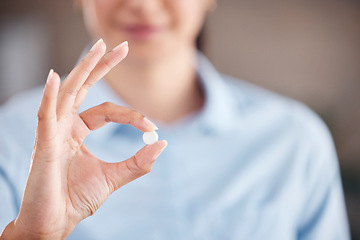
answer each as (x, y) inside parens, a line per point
(150, 137)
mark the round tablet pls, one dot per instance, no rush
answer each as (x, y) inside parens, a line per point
(150, 137)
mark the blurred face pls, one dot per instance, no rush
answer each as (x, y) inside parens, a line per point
(154, 28)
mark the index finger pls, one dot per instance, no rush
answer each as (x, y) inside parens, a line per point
(102, 114)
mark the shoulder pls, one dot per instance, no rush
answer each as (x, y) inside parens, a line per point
(309, 132)
(248, 95)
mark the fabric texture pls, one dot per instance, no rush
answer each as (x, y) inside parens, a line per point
(250, 165)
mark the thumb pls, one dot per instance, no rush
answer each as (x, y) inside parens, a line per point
(121, 173)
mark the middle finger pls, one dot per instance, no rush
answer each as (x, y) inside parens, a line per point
(73, 82)
(109, 61)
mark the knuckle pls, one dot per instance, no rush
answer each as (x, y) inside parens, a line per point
(85, 66)
(40, 115)
(110, 182)
(107, 110)
(106, 64)
(92, 208)
(135, 115)
(72, 92)
(43, 116)
(107, 118)
(138, 169)
(86, 86)
(148, 169)
(107, 105)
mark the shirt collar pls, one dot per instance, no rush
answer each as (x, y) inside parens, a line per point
(217, 113)
(215, 116)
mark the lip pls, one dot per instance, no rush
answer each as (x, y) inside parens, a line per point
(142, 32)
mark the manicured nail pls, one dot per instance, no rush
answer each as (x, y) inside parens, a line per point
(50, 75)
(150, 124)
(164, 142)
(96, 44)
(120, 45)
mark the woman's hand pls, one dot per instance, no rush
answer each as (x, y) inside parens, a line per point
(66, 182)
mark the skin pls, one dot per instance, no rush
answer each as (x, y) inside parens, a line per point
(67, 183)
(159, 67)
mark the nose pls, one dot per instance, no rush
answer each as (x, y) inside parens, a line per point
(143, 6)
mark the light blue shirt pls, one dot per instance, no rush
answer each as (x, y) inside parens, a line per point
(250, 165)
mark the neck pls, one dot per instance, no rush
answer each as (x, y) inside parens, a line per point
(164, 90)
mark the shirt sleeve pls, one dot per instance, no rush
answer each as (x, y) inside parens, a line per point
(17, 130)
(9, 201)
(323, 212)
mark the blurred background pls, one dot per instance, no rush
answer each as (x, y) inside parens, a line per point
(308, 50)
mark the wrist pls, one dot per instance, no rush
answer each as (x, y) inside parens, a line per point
(15, 232)
(10, 233)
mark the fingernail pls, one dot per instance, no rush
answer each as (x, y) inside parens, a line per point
(96, 44)
(50, 75)
(162, 149)
(150, 124)
(120, 45)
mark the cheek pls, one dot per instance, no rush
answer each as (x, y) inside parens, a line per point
(188, 18)
(97, 16)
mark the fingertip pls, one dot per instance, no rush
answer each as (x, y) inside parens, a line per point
(51, 78)
(123, 50)
(99, 44)
(103, 46)
(126, 50)
(53, 83)
(126, 44)
(51, 72)
(149, 125)
(159, 147)
(56, 79)
(163, 143)
(154, 149)
(123, 45)
(56, 75)
(117, 54)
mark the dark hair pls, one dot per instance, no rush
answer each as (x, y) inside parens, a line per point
(200, 39)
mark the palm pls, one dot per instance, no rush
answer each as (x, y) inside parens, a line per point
(86, 187)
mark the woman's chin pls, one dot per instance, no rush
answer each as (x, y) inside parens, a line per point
(146, 55)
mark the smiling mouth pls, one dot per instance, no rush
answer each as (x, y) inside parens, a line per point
(142, 32)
